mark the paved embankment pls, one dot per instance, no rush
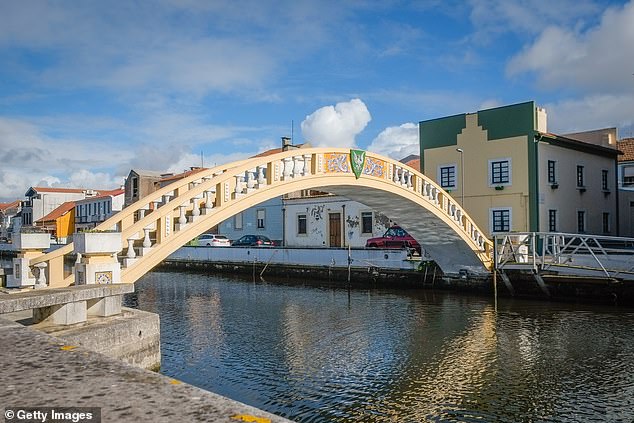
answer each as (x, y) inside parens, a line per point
(38, 370)
(390, 266)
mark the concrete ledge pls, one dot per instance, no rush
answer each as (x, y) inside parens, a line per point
(56, 296)
(134, 336)
(42, 371)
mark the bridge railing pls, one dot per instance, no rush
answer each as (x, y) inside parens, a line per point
(161, 222)
(554, 251)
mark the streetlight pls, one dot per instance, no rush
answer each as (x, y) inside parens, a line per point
(461, 151)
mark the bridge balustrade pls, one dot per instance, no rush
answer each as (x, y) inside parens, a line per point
(161, 222)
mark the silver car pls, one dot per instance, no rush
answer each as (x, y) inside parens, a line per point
(213, 240)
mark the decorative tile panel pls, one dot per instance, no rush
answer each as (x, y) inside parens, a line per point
(337, 163)
(374, 167)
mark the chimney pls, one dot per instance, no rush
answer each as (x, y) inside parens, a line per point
(286, 143)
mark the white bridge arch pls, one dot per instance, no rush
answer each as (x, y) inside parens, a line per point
(160, 223)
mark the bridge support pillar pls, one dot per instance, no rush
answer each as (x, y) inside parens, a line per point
(62, 314)
(98, 263)
(104, 307)
(29, 246)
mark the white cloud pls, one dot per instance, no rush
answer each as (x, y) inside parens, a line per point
(336, 126)
(84, 178)
(30, 158)
(397, 142)
(491, 18)
(598, 59)
(195, 47)
(592, 112)
(196, 66)
(189, 160)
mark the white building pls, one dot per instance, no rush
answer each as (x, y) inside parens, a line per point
(315, 219)
(40, 201)
(8, 213)
(626, 187)
(318, 219)
(91, 211)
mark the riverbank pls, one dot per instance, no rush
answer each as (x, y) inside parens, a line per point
(391, 269)
(386, 268)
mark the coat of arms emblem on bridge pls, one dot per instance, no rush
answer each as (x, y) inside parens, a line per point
(357, 161)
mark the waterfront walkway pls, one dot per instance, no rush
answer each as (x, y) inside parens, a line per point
(39, 370)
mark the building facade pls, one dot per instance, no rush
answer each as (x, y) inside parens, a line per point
(315, 219)
(41, 201)
(626, 187)
(91, 211)
(263, 219)
(60, 223)
(8, 213)
(512, 175)
(140, 183)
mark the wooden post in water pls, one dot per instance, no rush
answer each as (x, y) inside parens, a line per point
(495, 273)
(495, 288)
(349, 265)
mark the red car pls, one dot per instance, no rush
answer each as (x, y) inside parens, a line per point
(395, 237)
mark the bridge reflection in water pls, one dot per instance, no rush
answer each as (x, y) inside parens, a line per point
(323, 354)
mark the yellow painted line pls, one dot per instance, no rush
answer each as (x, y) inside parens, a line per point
(68, 347)
(175, 382)
(251, 419)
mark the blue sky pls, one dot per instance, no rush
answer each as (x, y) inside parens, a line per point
(91, 89)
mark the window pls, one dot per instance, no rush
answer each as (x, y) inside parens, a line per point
(261, 214)
(581, 221)
(237, 221)
(500, 171)
(628, 181)
(604, 180)
(366, 222)
(135, 187)
(580, 180)
(552, 220)
(501, 220)
(606, 223)
(551, 172)
(447, 176)
(301, 224)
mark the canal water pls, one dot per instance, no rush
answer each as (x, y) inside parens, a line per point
(317, 353)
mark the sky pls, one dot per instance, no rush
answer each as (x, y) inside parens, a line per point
(91, 89)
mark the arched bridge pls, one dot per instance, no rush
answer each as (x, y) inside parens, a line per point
(160, 223)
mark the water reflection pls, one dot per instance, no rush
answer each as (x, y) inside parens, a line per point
(322, 354)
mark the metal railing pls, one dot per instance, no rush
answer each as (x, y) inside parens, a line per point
(576, 253)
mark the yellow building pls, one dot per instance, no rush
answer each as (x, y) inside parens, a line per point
(512, 175)
(60, 222)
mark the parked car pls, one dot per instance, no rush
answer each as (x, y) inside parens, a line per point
(395, 237)
(213, 240)
(253, 241)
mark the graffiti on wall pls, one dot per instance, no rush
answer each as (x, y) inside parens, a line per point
(316, 212)
(352, 221)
